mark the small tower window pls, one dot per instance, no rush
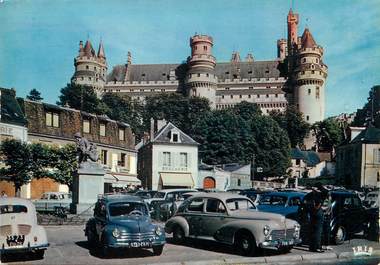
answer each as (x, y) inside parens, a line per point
(249, 96)
(232, 96)
(205, 48)
(317, 60)
(307, 117)
(198, 75)
(304, 60)
(95, 68)
(267, 96)
(317, 92)
(240, 96)
(222, 96)
(87, 67)
(309, 91)
(89, 78)
(258, 96)
(207, 74)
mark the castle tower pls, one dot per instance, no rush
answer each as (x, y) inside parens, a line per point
(292, 20)
(90, 67)
(282, 49)
(310, 76)
(201, 80)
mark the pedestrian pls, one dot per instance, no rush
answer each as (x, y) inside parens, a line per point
(3, 195)
(316, 221)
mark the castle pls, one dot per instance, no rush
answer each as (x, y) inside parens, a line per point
(297, 76)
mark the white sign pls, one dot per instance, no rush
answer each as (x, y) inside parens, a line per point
(259, 169)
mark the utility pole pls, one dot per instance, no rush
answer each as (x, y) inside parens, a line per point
(253, 167)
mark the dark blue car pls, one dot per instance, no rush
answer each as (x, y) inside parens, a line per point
(281, 202)
(123, 221)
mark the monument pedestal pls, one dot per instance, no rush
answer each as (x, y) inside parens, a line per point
(87, 185)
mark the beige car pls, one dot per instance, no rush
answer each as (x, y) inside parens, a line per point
(232, 219)
(19, 231)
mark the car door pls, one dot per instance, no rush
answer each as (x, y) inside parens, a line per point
(357, 215)
(292, 207)
(215, 217)
(194, 214)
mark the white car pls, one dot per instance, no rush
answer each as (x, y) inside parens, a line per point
(53, 202)
(19, 231)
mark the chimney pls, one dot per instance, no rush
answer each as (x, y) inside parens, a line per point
(160, 124)
(152, 130)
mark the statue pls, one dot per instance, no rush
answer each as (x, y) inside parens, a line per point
(85, 149)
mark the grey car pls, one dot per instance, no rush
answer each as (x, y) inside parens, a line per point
(232, 219)
(53, 202)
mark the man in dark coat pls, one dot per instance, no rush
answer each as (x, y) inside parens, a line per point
(316, 226)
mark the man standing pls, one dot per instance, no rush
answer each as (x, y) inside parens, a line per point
(3, 195)
(316, 220)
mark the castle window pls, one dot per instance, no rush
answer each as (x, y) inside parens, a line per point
(102, 129)
(142, 90)
(82, 78)
(313, 72)
(95, 68)
(227, 88)
(86, 126)
(143, 75)
(317, 92)
(163, 90)
(152, 90)
(232, 96)
(222, 96)
(307, 117)
(97, 79)
(198, 75)
(304, 60)
(138, 98)
(267, 86)
(87, 67)
(227, 73)
(258, 96)
(312, 67)
(309, 91)
(267, 79)
(103, 157)
(276, 95)
(317, 60)
(250, 72)
(267, 96)
(267, 71)
(207, 74)
(131, 90)
(89, 78)
(205, 48)
(163, 74)
(249, 96)
(240, 96)
(251, 87)
(258, 79)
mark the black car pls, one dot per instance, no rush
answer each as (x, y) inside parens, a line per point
(145, 194)
(344, 215)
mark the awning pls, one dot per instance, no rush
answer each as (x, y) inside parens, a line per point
(177, 179)
(121, 180)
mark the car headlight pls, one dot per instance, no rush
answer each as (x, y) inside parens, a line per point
(297, 227)
(158, 231)
(266, 230)
(116, 232)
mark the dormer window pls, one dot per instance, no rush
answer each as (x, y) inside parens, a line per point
(175, 137)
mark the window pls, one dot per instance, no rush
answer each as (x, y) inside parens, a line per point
(87, 67)
(304, 60)
(86, 126)
(222, 96)
(102, 129)
(309, 91)
(232, 96)
(175, 137)
(258, 96)
(298, 162)
(103, 157)
(89, 78)
(240, 96)
(267, 96)
(121, 134)
(295, 201)
(317, 92)
(52, 119)
(251, 87)
(376, 156)
(307, 117)
(183, 159)
(276, 95)
(198, 75)
(205, 48)
(316, 60)
(196, 205)
(167, 159)
(215, 206)
(122, 160)
(249, 96)
(239, 182)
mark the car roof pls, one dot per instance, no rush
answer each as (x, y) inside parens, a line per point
(219, 195)
(286, 193)
(111, 198)
(16, 201)
(171, 190)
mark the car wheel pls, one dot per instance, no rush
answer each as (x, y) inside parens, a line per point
(91, 239)
(178, 235)
(157, 250)
(339, 235)
(245, 243)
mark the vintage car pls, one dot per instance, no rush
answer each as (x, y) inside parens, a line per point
(344, 217)
(281, 202)
(372, 200)
(254, 195)
(123, 221)
(232, 219)
(19, 232)
(53, 202)
(145, 194)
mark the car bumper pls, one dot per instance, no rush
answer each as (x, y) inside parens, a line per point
(19, 249)
(277, 244)
(136, 244)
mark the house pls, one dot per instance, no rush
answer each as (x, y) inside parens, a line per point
(240, 177)
(358, 159)
(213, 177)
(168, 159)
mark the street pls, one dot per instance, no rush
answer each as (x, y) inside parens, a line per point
(68, 245)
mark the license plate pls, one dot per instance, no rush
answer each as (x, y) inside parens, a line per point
(140, 244)
(287, 243)
(16, 240)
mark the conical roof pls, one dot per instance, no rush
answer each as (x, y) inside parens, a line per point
(307, 40)
(101, 53)
(88, 50)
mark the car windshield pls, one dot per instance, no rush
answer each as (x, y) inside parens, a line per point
(45, 196)
(239, 204)
(159, 195)
(5, 209)
(273, 200)
(125, 208)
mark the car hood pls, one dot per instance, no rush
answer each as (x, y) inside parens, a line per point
(133, 224)
(264, 216)
(276, 209)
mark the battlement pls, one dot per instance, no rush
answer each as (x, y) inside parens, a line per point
(315, 50)
(201, 38)
(89, 59)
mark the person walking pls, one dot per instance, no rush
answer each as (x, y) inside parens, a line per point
(3, 195)
(316, 220)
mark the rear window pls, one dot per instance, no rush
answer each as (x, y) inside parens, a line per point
(239, 204)
(5, 209)
(273, 200)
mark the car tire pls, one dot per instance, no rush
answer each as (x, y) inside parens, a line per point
(157, 250)
(91, 239)
(245, 244)
(178, 235)
(339, 235)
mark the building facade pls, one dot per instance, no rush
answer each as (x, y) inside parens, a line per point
(54, 125)
(358, 160)
(168, 159)
(297, 76)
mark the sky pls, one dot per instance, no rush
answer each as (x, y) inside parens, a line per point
(39, 38)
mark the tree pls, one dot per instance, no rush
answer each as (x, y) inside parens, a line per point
(123, 108)
(34, 95)
(81, 98)
(329, 134)
(371, 109)
(16, 158)
(292, 122)
(65, 164)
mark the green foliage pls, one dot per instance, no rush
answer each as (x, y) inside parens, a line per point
(81, 98)
(65, 164)
(34, 95)
(329, 134)
(124, 109)
(16, 157)
(236, 135)
(180, 110)
(292, 122)
(363, 116)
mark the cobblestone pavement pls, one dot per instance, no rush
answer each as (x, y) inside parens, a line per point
(68, 245)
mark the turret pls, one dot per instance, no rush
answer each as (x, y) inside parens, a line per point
(310, 76)
(292, 20)
(90, 68)
(282, 49)
(201, 80)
